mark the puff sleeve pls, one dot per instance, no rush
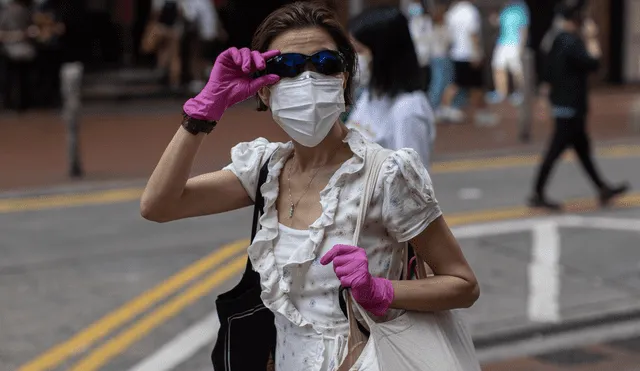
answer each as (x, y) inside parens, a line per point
(247, 159)
(409, 204)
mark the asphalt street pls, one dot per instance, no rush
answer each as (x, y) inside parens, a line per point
(64, 269)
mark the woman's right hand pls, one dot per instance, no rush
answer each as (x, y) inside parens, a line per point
(231, 82)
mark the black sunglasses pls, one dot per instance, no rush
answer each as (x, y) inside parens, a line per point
(327, 62)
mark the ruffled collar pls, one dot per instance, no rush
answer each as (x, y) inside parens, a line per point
(276, 285)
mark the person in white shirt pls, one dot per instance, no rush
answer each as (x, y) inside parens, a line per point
(311, 196)
(203, 16)
(464, 23)
(394, 111)
(170, 27)
(421, 27)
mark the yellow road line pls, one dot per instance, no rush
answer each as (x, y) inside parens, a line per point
(120, 343)
(101, 355)
(113, 320)
(109, 323)
(518, 212)
(457, 166)
(132, 194)
(49, 202)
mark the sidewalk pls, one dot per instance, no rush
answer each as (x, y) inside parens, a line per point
(124, 140)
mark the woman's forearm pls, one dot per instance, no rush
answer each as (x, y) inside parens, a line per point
(167, 182)
(435, 293)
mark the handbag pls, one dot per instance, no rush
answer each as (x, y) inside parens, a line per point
(247, 335)
(414, 341)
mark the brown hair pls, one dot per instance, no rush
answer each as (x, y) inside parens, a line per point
(303, 15)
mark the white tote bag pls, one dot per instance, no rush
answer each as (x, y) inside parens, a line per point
(414, 341)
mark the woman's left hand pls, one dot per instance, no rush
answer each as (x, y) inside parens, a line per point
(351, 265)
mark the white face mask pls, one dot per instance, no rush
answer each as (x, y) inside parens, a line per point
(364, 72)
(307, 106)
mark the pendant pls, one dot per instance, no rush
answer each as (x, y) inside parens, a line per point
(291, 210)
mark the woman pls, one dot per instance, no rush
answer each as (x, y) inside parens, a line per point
(306, 65)
(394, 111)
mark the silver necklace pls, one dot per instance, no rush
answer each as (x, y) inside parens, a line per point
(292, 205)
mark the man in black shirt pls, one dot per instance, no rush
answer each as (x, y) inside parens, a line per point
(569, 62)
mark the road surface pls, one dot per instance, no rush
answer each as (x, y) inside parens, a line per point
(88, 285)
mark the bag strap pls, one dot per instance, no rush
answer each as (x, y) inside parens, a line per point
(375, 161)
(373, 166)
(258, 210)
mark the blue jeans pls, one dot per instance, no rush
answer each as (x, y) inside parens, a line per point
(442, 75)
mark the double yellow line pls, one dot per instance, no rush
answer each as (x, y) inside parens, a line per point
(233, 264)
(228, 261)
(445, 167)
(111, 322)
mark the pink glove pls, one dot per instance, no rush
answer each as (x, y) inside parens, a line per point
(230, 83)
(351, 265)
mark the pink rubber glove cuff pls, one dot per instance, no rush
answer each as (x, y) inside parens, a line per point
(350, 263)
(381, 299)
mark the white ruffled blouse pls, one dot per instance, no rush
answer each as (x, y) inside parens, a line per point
(303, 294)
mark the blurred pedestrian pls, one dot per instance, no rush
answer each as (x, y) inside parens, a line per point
(441, 66)
(421, 28)
(513, 22)
(207, 31)
(16, 37)
(169, 26)
(394, 110)
(574, 54)
(465, 26)
(49, 51)
(362, 77)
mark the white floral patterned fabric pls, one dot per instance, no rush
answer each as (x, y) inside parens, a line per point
(302, 293)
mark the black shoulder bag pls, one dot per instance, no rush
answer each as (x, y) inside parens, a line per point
(247, 336)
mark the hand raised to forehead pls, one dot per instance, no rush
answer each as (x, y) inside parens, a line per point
(231, 81)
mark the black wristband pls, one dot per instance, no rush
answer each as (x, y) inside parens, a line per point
(196, 126)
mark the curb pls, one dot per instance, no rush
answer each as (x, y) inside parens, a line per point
(489, 341)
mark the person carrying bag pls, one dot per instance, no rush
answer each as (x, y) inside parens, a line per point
(300, 68)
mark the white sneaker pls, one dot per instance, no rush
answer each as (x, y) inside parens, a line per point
(455, 115)
(486, 119)
(516, 99)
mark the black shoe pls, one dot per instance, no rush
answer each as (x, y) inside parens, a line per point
(607, 194)
(537, 201)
